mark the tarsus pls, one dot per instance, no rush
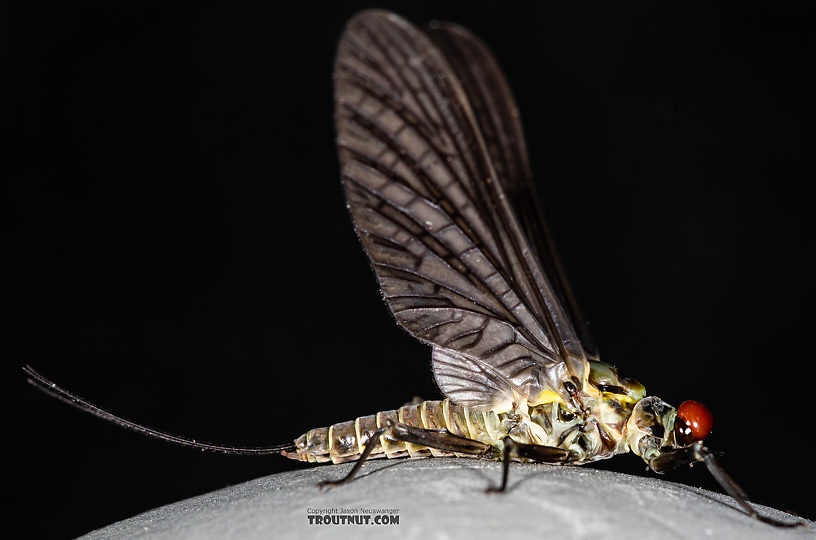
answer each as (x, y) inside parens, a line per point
(733, 489)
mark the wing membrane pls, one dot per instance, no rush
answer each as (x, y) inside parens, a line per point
(449, 255)
(499, 121)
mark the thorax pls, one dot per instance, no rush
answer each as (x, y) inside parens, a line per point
(592, 425)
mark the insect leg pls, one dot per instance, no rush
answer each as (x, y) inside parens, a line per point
(697, 452)
(440, 439)
(370, 444)
(535, 452)
(677, 458)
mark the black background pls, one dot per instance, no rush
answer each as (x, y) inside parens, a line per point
(182, 254)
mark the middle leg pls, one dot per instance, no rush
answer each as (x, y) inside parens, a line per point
(535, 452)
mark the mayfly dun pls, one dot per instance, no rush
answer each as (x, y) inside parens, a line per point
(436, 178)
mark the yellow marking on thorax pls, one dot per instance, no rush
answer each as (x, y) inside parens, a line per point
(546, 396)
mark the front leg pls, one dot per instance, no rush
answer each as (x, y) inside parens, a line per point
(678, 457)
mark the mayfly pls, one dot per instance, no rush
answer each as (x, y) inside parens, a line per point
(437, 180)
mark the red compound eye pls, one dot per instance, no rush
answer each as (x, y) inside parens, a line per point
(695, 422)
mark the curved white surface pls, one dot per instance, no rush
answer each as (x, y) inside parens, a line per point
(445, 498)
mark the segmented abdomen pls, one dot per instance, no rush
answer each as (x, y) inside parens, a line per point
(345, 441)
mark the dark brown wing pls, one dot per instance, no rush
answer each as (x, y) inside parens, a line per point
(499, 121)
(451, 260)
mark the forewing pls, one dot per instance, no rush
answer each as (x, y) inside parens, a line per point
(450, 258)
(496, 113)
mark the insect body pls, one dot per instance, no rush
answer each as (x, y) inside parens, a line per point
(598, 432)
(437, 180)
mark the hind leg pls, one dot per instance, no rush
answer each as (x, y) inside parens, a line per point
(439, 439)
